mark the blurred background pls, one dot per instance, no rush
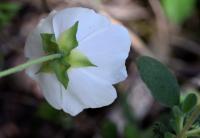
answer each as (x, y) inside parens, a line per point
(168, 30)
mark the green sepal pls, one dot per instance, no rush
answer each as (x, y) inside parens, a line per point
(67, 40)
(61, 72)
(49, 43)
(45, 68)
(76, 59)
(59, 68)
(70, 58)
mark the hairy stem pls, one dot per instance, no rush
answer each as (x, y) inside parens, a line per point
(28, 64)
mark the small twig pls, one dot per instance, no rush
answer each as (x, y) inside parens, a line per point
(161, 40)
(186, 44)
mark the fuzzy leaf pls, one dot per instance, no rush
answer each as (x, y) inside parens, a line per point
(178, 114)
(67, 40)
(189, 102)
(161, 82)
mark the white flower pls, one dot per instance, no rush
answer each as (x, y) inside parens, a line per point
(106, 45)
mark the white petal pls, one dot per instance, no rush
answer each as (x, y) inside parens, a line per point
(49, 85)
(33, 46)
(51, 89)
(108, 49)
(86, 91)
(70, 103)
(89, 21)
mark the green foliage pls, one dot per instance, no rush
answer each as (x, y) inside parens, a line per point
(159, 80)
(165, 89)
(7, 12)
(178, 10)
(130, 131)
(109, 129)
(67, 40)
(189, 102)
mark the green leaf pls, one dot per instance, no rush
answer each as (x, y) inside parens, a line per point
(169, 135)
(109, 129)
(189, 102)
(177, 112)
(130, 131)
(161, 82)
(178, 118)
(67, 40)
(61, 72)
(178, 10)
(49, 43)
(77, 59)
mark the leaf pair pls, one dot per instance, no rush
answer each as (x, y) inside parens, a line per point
(165, 89)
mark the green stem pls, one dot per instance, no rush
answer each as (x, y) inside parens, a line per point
(181, 123)
(28, 64)
(189, 122)
(193, 133)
